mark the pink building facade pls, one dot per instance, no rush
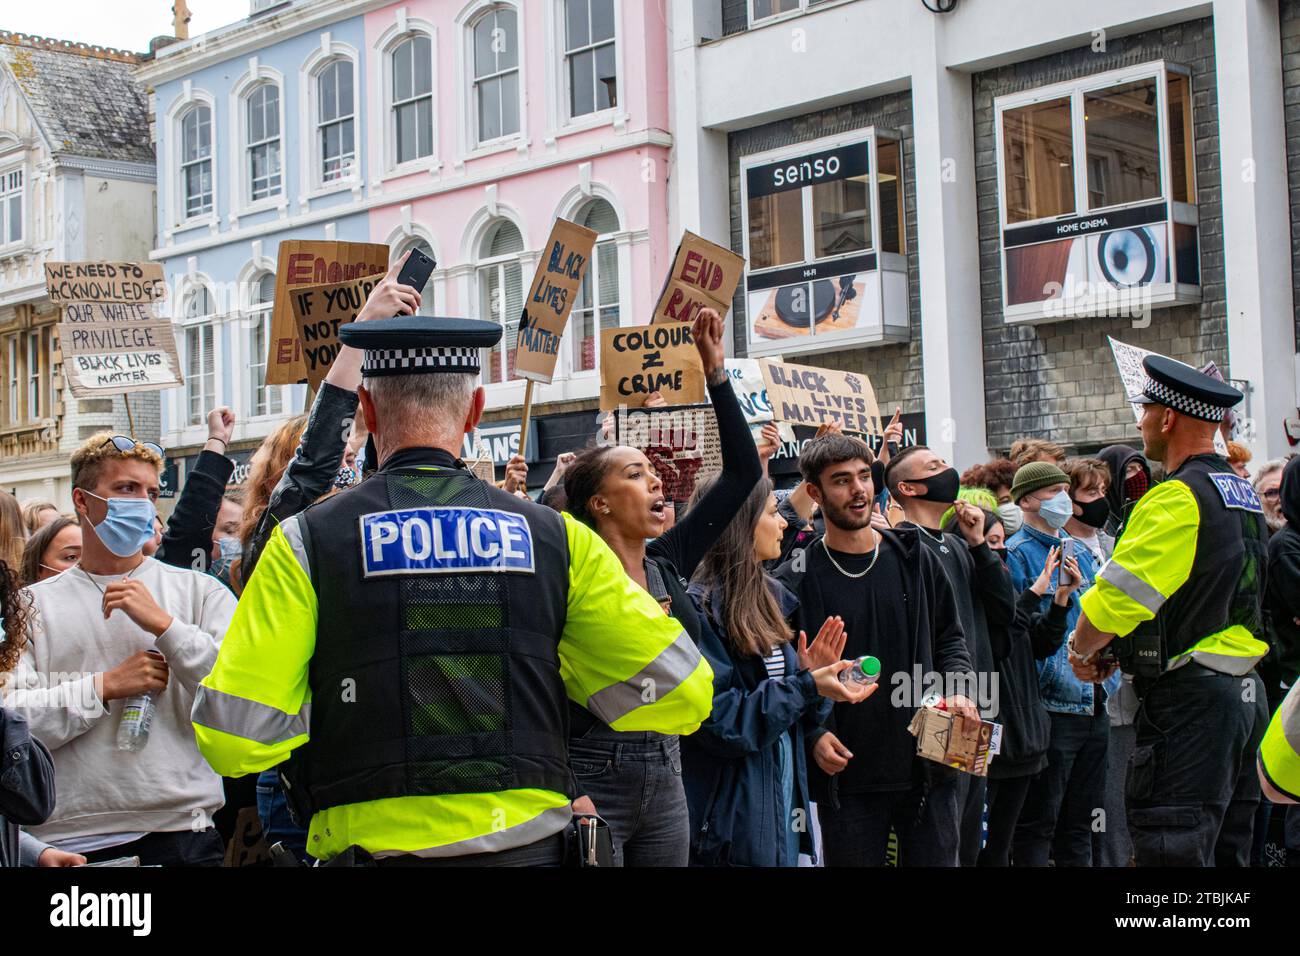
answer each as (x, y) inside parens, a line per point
(489, 120)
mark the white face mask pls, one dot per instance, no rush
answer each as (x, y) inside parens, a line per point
(1012, 518)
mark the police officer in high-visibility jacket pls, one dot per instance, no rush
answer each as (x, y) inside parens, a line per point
(1279, 754)
(1194, 558)
(410, 643)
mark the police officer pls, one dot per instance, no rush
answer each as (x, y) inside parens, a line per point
(1279, 754)
(412, 641)
(1193, 558)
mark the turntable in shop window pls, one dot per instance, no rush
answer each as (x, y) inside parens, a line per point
(836, 305)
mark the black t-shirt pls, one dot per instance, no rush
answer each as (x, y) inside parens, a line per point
(875, 617)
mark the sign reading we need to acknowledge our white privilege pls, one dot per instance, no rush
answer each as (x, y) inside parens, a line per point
(110, 338)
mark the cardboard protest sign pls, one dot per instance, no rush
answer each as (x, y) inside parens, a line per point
(746, 377)
(650, 358)
(111, 340)
(311, 262)
(704, 276)
(810, 396)
(1128, 359)
(682, 443)
(319, 311)
(104, 282)
(102, 358)
(550, 299)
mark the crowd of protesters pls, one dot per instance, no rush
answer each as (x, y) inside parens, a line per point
(900, 556)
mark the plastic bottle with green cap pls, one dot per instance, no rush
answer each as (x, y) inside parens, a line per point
(865, 670)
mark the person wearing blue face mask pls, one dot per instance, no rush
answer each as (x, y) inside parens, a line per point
(1057, 817)
(121, 625)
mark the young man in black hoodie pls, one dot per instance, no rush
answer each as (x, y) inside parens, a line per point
(926, 486)
(897, 605)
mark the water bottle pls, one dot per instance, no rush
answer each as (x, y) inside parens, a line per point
(137, 718)
(865, 670)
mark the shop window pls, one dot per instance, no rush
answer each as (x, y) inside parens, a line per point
(825, 244)
(1096, 192)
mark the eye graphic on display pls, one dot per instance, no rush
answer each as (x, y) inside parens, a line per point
(792, 302)
(1127, 257)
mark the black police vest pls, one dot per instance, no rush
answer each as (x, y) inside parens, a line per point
(1226, 585)
(433, 674)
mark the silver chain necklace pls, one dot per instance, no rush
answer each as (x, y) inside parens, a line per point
(874, 555)
(936, 538)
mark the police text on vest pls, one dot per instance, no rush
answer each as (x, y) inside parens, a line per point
(445, 541)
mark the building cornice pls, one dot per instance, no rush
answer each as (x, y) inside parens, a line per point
(110, 168)
(648, 137)
(187, 56)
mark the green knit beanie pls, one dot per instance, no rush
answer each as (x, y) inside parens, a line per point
(1035, 475)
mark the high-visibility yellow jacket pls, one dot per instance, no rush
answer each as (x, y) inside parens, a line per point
(1153, 561)
(620, 656)
(1279, 754)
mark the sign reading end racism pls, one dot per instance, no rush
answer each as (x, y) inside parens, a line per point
(704, 276)
(634, 362)
(311, 262)
(319, 311)
(812, 396)
(550, 299)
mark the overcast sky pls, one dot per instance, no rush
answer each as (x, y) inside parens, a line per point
(125, 24)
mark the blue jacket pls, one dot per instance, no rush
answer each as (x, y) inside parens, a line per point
(729, 765)
(1060, 690)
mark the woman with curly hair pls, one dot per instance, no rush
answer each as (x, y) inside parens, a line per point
(27, 788)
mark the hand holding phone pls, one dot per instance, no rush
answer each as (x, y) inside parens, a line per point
(416, 271)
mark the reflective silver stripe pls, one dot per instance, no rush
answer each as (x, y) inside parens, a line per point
(1132, 585)
(247, 718)
(1222, 663)
(545, 824)
(660, 677)
(292, 532)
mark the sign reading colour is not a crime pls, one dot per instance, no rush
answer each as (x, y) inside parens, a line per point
(637, 361)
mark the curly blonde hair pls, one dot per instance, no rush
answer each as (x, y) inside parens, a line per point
(88, 460)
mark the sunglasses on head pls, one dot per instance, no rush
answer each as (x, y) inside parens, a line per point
(124, 444)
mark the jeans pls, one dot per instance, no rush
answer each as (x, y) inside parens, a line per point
(174, 848)
(1061, 804)
(1192, 787)
(1113, 846)
(277, 825)
(785, 771)
(855, 826)
(548, 851)
(635, 780)
(1006, 800)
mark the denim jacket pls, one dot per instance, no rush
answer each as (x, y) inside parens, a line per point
(1060, 690)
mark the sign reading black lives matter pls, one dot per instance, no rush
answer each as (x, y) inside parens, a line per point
(110, 338)
(802, 395)
(681, 442)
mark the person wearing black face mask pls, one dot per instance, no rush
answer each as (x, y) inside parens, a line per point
(1130, 480)
(926, 486)
(1089, 481)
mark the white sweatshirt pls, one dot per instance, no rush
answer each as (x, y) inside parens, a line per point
(100, 790)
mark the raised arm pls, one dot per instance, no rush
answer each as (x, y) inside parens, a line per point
(686, 543)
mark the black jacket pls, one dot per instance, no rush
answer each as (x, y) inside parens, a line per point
(937, 645)
(26, 783)
(1282, 598)
(187, 541)
(1117, 458)
(1033, 635)
(312, 470)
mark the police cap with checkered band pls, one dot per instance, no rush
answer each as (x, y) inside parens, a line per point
(1178, 386)
(420, 345)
